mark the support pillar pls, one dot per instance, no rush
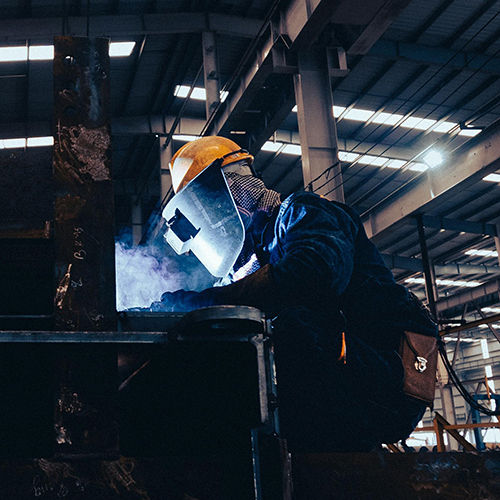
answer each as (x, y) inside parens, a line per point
(210, 72)
(317, 128)
(166, 153)
(84, 245)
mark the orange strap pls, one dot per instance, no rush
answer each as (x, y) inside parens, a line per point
(342, 356)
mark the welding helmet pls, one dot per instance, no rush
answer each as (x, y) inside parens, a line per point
(202, 217)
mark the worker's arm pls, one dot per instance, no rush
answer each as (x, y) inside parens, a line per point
(313, 253)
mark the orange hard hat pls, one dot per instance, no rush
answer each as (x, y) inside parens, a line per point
(195, 156)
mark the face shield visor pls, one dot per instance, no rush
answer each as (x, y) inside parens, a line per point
(203, 218)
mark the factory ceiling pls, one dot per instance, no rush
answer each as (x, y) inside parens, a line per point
(416, 95)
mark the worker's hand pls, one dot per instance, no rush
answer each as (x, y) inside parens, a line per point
(179, 301)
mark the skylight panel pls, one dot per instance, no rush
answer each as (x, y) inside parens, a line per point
(418, 167)
(492, 178)
(360, 115)
(418, 123)
(482, 253)
(41, 52)
(445, 282)
(271, 146)
(185, 138)
(121, 49)
(376, 161)
(394, 163)
(470, 132)
(198, 93)
(338, 110)
(292, 149)
(445, 127)
(387, 118)
(348, 156)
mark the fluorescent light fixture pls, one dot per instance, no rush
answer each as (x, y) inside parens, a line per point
(185, 138)
(198, 93)
(292, 149)
(271, 146)
(387, 118)
(41, 52)
(433, 158)
(34, 142)
(12, 143)
(359, 115)
(460, 283)
(484, 350)
(348, 156)
(492, 178)
(13, 54)
(376, 161)
(482, 253)
(46, 52)
(494, 325)
(121, 49)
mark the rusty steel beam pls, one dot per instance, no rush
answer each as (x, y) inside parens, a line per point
(84, 244)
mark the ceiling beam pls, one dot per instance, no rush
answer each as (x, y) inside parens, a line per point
(460, 226)
(423, 54)
(469, 164)
(377, 26)
(412, 264)
(488, 290)
(129, 25)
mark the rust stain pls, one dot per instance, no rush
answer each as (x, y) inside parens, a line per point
(91, 147)
(68, 207)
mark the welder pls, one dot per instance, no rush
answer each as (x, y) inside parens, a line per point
(338, 315)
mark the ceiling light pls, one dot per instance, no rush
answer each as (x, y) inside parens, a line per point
(433, 158)
(41, 52)
(13, 54)
(482, 253)
(34, 142)
(185, 138)
(271, 146)
(121, 49)
(492, 178)
(418, 167)
(12, 143)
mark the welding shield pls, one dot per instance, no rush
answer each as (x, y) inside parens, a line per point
(203, 218)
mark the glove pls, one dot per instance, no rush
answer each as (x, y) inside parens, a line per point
(179, 301)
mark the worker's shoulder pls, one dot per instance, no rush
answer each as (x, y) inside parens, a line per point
(308, 199)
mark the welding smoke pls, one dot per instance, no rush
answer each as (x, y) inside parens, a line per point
(144, 273)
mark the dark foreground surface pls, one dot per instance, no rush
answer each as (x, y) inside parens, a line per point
(316, 477)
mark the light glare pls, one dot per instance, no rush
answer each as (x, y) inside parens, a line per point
(433, 158)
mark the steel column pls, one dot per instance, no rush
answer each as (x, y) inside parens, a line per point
(165, 178)
(210, 72)
(317, 128)
(427, 267)
(84, 243)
